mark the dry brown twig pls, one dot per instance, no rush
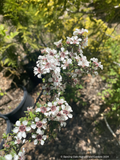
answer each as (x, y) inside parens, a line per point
(108, 126)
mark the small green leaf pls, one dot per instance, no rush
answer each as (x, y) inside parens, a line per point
(80, 86)
(2, 158)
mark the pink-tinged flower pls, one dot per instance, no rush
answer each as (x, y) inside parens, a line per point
(6, 145)
(51, 52)
(66, 63)
(60, 101)
(79, 31)
(18, 141)
(83, 62)
(63, 54)
(39, 124)
(54, 111)
(22, 155)
(84, 43)
(60, 117)
(73, 40)
(38, 72)
(97, 64)
(58, 44)
(39, 137)
(21, 129)
(43, 109)
(29, 108)
(43, 51)
(66, 110)
(80, 50)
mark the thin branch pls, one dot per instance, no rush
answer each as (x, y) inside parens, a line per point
(43, 41)
(7, 94)
(114, 135)
(38, 98)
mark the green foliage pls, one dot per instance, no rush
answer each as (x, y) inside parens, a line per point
(2, 158)
(8, 58)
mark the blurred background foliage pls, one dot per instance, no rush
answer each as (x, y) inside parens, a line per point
(30, 25)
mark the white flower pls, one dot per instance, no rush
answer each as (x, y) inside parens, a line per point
(79, 31)
(83, 62)
(22, 155)
(95, 61)
(60, 117)
(8, 157)
(49, 104)
(16, 157)
(59, 43)
(43, 109)
(66, 110)
(39, 138)
(33, 125)
(21, 129)
(73, 40)
(38, 72)
(36, 119)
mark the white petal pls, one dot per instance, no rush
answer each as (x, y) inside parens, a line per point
(44, 126)
(19, 135)
(70, 115)
(42, 142)
(35, 142)
(24, 140)
(16, 129)
(34, 136)
(28, 128)
(37, 119)
(63, 106)
(25, 122)
(16, 157)
(48, 108)
(8, 157)
(18, 123)
(33, 126)
(44, 120)
(55, 103)
(23, 134)
(49, 104)
(46, 114)
(40, 131)
(38, 110)
(20, 154)
(44, 137)
(63, 124)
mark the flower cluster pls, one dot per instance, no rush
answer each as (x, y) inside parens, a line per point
(59, 110)
(57, 61)
(67, 60)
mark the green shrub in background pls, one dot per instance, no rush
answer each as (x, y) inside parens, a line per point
(40, 23)
(8, 54)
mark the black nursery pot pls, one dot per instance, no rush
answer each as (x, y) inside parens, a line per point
(18, 112)
(8, 130)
